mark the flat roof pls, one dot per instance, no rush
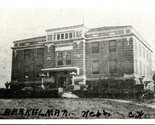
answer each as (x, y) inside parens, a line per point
(107, 28)
(61, 69)
(40, 38)
(67, 27)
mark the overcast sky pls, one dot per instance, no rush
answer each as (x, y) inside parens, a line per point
(30, 18)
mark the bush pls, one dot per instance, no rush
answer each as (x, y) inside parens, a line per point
(109, 88)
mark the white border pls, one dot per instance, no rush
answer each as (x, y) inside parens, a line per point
(76, 4)
(80, 121)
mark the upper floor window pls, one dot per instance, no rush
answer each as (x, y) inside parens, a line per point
(95, 67)
(49, 37)
(26, 71)
(95, 47)
(26, 54)
(62, 36)
(40, 53)
(68, 58)
(60, 59)
(66, 35)
(143, 69)
(140, 68)
(136, 47)
(144, 52)
(130, 41)
(38, 70)
(147, 55)
(58, 36)
(136, 66)
(112, 46)
(21, 44)
(16, 45)
(70, 35)
(150, 57)
(113, 66)
(55, 37)
(140, 50)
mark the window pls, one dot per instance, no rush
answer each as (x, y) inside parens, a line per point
(26, 54)
(95, 47)
(66, 35)
(130, 41)
(70, 35)
(145, 73)
(73, 35)
(21, 44)
(49, 37)
(136, 66)
(135, 45)
(68, 58)
(48, 58)
(40, 53)
(136, 48)
(54, 36)
(112, 46)
(26, 71)
(16, 45)
(38, 70)
(95, 67)
(62, 36)
(60, 59)
(143, 69)
(140, 68)
(58, 36)
(140, 50)
(144, 52)
(147, 55)
(148, 72)
(113, 66)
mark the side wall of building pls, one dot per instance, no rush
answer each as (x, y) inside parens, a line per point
(142, 60)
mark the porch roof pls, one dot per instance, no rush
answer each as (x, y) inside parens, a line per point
(62, 69)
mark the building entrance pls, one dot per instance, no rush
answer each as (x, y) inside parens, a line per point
(62, 76)
(63, 80)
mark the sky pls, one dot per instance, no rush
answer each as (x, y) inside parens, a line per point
(21, 19)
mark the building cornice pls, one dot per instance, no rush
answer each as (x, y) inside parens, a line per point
(34, 39)
(28, 47)
(66, 28)
(114, 37)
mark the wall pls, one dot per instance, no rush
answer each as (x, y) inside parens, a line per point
(123, 55)
(144, 55)
(18, 64)
(49, 56)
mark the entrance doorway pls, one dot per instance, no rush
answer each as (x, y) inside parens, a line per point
(61, 81)
(64, 80)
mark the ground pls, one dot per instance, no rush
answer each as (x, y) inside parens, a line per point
(79, 108)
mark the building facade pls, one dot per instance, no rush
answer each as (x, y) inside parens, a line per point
(75, 54)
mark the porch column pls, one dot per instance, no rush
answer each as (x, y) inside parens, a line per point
(42, 80)
(73, 74)
(47, 74)
(72, 79)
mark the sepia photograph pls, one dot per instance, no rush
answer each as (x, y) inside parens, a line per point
(77, 59)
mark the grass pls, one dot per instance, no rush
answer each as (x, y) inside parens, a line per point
(95, 107)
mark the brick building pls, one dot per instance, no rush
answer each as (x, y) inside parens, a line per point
(75, 54)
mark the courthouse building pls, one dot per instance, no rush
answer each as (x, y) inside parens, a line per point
(76, 54)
